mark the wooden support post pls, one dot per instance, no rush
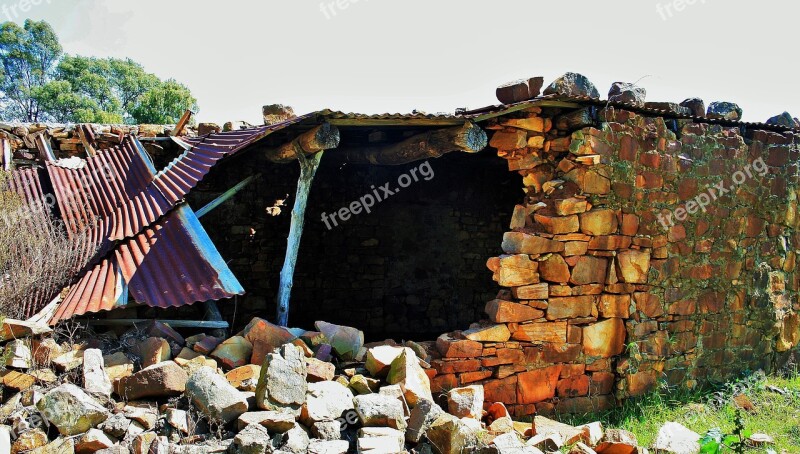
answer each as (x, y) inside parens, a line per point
(432, 144)
(45, 150)
(322, 137)
(308, 168)
(212, 313)
(87, 138)
(225, 196)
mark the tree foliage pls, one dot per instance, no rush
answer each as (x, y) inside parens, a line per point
(39, 83)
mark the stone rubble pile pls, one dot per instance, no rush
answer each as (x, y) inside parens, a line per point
(267, 389)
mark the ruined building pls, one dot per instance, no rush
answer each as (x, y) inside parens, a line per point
(627, 242)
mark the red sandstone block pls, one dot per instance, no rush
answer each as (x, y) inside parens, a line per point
(537, 385)
(504, 356)
(542, 332)
(454, 367)
(614, 306)
(444, 383)
(521, 243)
(573, 387)
(601, 383)
(604, 339)
(557, 224)
(572, 370)
(554, 269)
(500, 311)
(472, 377)
(531, 292)
(570, 307)
(449, 347)
(561, 353)
(509, 140)
(589, 270)
(503, 390)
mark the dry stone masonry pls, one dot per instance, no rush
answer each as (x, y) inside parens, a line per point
(646, 249)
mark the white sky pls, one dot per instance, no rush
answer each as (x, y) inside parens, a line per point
(436, 55)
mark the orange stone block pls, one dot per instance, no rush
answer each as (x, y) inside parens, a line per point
(501, 311)
(557, 224)
(449, 347)
(537, 385)
(542, 332)
(570, 307)
(443, 383)
(565, 207)
(522, 243)
(573, 386)
(509, 140)
(531, 292)
(471, 377)
(604, 339)
(614, 306)
(649, 304)
(502, 390)
(554, 269)
(599, 222)
(589, 270)
(634, 266)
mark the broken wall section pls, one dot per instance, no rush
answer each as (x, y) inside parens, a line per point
(629, 265)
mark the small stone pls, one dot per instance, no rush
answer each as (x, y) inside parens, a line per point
(153, 350)
(376, 410)
(317, 370)
(214, 396)
(95, 379)
(179, 419)
(18, 355)
(327, 430)
(165, 379)
(380, 440)
(58, 446)
(674, 438)
(618, 441)
(244, 378)
(274, 421)
(27, 441)
(573, 85)
(142, 413)
(92, 441)
(253, 439)
(206, 345)
(295, 440)
(234, 352)
(116, 425)
(364, 385)
(723, 110)
(494, 333)
(117, 366)
(328, 447)
(71, 410)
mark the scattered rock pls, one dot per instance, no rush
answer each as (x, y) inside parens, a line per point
(244, 378)
(95, 379)
(92, 441)
(165, 379)
(696, 105)
(466, 402)
(785, 119)
(327, 430)
(674, 438)
(317, 370)
(376, 410)
(406, 371)
(450, 435)
(265, 337)
(422, 416)
(273, 421)
(328, 447)
(153, 350)
(379, 359)
(283, 380)
(346, 341)
(178, 419)
(29, 440)
(326, 401)
(379, 440)
(295, 440)
(18, 355)
(214, 396)
(253, 439)
(71, 410)
(617, 441)
(234, 352)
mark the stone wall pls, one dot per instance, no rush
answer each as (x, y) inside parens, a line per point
(628, 264)
(411, 269)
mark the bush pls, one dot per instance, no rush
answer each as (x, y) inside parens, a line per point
(36, 257)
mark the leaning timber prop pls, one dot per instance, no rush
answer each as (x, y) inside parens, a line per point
(468, 138)
(307, 149)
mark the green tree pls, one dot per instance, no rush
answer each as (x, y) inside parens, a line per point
(28, 56)
(80, 89)
(163, 104)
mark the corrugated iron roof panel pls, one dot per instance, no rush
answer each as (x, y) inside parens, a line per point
(170, 264)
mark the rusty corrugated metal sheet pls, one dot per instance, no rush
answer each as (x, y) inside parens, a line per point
(172, 263)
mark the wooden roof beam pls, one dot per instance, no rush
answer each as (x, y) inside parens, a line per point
(323, 137)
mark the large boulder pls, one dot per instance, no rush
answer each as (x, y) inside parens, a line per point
(214, 396)
(346, 341)
(785, 119)
(406, 371)
(283, 380)
(573, 85)
(377, 410)
(71, 410)
(165, 379)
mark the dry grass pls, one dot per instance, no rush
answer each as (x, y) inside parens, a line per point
(36, 257)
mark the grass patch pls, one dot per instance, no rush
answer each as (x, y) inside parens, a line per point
(774, 413)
